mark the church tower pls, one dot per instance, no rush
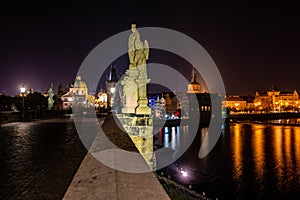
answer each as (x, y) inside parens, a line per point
(111, 84)
(194, 86)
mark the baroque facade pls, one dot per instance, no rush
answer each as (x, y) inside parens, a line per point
(276, 100)
(77, 94)
(272, 100)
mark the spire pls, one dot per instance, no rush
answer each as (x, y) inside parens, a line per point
(194, 78)
(101, 89)
(194, 86)
(274, 88)
(112, 74)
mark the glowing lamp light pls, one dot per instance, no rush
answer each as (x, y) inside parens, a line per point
(22, 89)
(112, 90)
(184, 173)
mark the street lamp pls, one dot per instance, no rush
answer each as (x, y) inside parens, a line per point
(22, 93)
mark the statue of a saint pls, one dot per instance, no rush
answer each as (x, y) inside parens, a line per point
(134, 83)
(138, 52)
(50, 97)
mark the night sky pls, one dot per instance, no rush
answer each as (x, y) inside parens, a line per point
(253, 45)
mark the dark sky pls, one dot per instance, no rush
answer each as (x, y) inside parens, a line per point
(253, 45)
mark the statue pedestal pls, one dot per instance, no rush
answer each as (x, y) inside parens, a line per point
(143, 108)
(140, 130)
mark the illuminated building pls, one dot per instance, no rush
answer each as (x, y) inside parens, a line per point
(159, 107)
(168, 104)
(111, 84)
(67, 99)
(194, 86)
(199, 103)
(101, 101)
(80, 92)
(183, 103)
(236, 103)
(188, 104)
(77, 94)
(276, 100)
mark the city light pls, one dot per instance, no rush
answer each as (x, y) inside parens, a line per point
(184, 173)
(112, 90)
(22, 89)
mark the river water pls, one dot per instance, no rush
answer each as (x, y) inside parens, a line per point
(250, 161)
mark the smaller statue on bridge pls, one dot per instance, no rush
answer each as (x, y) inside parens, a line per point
(50, 97)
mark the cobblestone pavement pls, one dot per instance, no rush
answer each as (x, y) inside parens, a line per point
(38, 159)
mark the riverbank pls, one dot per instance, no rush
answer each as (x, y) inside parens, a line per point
(177, 191)
(266, 123)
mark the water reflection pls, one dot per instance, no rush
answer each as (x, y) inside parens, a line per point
(288, 154)
(258, 146)
(278, 163)
(256, 161)
(166, 140)
(237, 156)
(297, 148)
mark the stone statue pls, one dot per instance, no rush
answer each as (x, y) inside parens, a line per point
(138, 52)
(50, 97)
(134, 83)
(135, 111)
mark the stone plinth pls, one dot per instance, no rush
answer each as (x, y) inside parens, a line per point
(143, 108)
(140, 131)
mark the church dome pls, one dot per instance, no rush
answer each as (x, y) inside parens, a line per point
(79, 83)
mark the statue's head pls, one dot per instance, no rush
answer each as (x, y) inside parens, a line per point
(133, 27)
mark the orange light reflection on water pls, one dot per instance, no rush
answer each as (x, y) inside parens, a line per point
(237, 152)
(278, 155)
(258, 146)
(297, 148)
